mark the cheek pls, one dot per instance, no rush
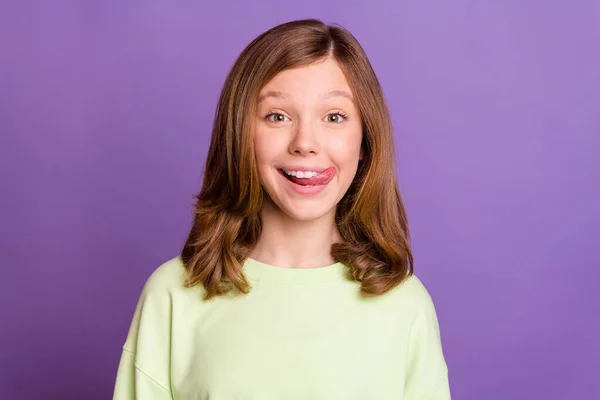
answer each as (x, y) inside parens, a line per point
(345, 149)
(269, 144)
(263, 149)
(267, 150)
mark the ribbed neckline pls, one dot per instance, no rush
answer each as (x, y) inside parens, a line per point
(302, 276)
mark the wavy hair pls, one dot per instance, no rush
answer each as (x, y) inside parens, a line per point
(371, 218)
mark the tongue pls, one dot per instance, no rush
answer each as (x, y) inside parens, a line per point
(321, 179)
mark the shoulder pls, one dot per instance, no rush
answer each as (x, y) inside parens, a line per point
(167, 277)
(406, 302)
(413, 292)
(412, 300)
(427, 371)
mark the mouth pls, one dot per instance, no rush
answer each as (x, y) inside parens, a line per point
(308, 178)
(289, 178)
(310, 186)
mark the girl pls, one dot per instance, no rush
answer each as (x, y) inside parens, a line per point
(296, 280)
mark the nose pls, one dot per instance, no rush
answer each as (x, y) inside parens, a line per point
(305, 140)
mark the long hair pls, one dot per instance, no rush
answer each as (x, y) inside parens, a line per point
(370, 217)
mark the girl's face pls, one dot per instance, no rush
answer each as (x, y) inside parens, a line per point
(307, 140)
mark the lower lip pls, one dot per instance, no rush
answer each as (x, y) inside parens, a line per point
(303, 190)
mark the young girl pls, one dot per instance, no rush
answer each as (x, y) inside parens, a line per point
(296, 279)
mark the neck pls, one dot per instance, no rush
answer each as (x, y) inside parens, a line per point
(289, 243)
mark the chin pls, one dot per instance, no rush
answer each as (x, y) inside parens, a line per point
(307, 216)
(300, 208)
(306, 212)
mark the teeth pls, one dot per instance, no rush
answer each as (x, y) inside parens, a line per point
(301, 174)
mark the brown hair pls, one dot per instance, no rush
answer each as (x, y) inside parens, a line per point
(370, 217)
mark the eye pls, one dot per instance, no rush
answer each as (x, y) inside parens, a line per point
(335, 118)
(276, 117)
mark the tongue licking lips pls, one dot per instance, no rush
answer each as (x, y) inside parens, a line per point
(321, 179)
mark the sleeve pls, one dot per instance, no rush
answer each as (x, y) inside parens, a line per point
(133, 383)
(426, 369)
(144, 368)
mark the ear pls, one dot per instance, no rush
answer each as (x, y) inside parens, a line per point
(361, 155)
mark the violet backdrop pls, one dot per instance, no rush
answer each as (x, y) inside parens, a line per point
(105, 118)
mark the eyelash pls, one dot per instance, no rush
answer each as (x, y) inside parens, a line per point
(339, 113)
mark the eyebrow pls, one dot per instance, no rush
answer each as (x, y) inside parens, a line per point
(337, 93)
(272, 93)
(324, 96)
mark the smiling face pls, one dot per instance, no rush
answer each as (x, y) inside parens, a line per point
(307, 139)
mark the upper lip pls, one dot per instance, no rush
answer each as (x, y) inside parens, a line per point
(304, 168)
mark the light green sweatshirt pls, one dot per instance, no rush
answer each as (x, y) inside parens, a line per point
(299, 334)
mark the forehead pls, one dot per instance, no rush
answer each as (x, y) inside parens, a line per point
(311, 80)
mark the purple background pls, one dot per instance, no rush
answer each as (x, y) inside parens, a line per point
(105, 116)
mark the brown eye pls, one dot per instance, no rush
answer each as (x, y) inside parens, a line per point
(276, 117)
(335, 118)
